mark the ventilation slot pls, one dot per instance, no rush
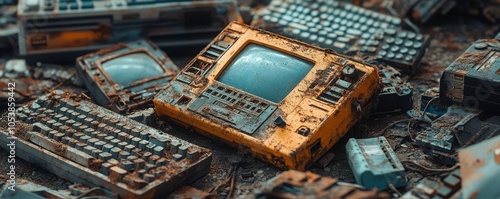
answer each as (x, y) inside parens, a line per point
(336, 92)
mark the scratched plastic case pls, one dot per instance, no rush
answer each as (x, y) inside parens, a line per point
(125, 77)
(374, 163)
(286, 101)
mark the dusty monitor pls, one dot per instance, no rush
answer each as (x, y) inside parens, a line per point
(285, 101)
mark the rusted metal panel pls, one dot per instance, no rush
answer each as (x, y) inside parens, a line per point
(114, 89)
(290, 131)
(472, 79)
(295, 184)
(84, 143)
(480, 169)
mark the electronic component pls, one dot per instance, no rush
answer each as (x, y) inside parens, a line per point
(71, 27)
(456, 129)
(480, 169)
(286, 101)
(449, 187)
(126, 77)
(396, 94)
(296, 184)
(429, 102)
(374, 163)
(346, 28)
(473, 79)
(72, 138)
(439, 136)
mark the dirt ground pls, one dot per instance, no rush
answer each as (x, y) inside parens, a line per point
(451, 35)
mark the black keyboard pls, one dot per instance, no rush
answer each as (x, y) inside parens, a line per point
(85, 143)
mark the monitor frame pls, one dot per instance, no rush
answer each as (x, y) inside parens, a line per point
(224, 67)
(123, 98)
(291, 134)
(103, 71)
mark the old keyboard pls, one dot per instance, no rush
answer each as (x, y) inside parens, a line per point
(346, 28)
(88, 144)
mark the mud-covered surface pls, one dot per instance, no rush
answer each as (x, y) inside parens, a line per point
(239, 175)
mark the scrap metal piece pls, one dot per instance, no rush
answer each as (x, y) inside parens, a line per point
(63, 29)
(439, 141)
(112, 75)
(396, 94)
(286, 101)
(458, 128)
(85, 143)
(347, 29)
(295, 184)
(473, 79)
(480, 169)
(374, 163)
(449, 187)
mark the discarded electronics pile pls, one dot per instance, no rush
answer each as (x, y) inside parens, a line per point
(284, 88)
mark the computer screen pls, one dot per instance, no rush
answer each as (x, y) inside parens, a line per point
(130, 68)
(265, 72)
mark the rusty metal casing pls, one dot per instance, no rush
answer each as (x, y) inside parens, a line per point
(290, 133)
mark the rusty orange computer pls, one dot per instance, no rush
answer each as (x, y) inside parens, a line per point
(286, 101)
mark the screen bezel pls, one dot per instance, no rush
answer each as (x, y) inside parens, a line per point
(217, 70)
(115, 54)
(286, 90)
